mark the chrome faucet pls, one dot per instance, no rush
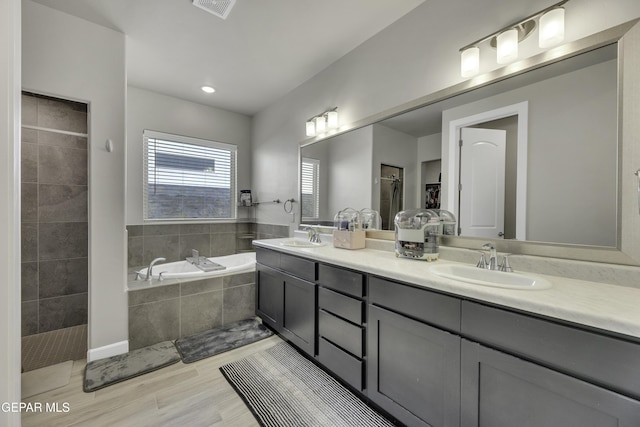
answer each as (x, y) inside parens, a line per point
(149, 275)
(492, 264)
(314, 236)
(195, 255)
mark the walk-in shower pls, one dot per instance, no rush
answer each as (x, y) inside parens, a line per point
(54, 230)
(391, 194)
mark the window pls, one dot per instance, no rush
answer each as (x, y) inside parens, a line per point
(310, 188)
(188, 178)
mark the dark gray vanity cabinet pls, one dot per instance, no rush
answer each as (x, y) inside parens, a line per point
(500, 390)
(341, 317)
(541, 373)
(413, 367)
(269, 296)
(285, 302)
(434, 359)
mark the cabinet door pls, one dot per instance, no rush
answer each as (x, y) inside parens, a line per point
(414, 370)
(269, 296)
(500, 390)
(299, 315)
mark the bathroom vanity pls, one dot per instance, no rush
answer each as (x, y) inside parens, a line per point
(432, 351)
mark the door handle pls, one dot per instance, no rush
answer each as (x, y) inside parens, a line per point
(501, 234)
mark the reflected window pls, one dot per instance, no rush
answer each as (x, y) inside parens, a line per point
(310, 188)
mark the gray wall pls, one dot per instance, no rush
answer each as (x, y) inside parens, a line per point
(71, 58)
(394, 148)
(415, 56)
(565, 131)
(55, 241)
(153, 111)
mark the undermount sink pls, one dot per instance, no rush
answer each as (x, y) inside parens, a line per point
(499, 279)
(300, 243)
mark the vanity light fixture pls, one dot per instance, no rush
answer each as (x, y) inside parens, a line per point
(323, 121)
(311, 128)
(551, 30)
(470, 61)
(550, 22)
(507, 46)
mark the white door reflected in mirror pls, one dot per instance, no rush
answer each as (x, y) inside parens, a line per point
(482, 179)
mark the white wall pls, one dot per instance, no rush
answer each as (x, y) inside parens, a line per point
(71, 58)
(153, 111)
(413, 57)
(10, 208)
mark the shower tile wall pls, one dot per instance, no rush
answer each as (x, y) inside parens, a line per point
(54, 214)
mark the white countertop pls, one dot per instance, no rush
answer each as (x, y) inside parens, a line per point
(604, 306)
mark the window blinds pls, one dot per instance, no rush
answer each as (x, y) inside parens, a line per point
(188, 178)
(310, 188)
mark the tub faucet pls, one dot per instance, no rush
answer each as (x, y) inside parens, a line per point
(149, 275)
(195, 255)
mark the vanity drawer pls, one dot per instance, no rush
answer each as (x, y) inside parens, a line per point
(349, 282)
(341, 305)
(599, 359)
(431, 307)
(345, 366)
(342, 333)
(299, 267)
(268, 258)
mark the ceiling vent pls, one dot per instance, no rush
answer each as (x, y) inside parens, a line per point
(219, 8)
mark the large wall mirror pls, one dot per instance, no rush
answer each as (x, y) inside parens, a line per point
(532, 159)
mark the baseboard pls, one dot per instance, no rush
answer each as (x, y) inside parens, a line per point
(108, 351)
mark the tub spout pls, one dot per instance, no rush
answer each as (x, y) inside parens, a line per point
(149, 275)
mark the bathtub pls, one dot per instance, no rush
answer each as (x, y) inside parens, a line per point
(235, 264)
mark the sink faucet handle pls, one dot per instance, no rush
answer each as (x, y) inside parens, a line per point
(505, 266)
(483, 262)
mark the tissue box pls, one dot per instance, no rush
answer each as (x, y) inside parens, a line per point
(346, 239)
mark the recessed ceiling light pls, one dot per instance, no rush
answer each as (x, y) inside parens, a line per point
(208, 89)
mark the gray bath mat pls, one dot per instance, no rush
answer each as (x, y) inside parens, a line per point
(104, 372)
(282, 388)
(218, 340)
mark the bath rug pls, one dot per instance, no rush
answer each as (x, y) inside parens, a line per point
(214, 341)
(105, 372)
(283, 388)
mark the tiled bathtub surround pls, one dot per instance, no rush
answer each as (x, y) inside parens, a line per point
(175, 241)
(177, 310)
(54, 214)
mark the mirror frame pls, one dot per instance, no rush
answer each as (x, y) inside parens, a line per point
(627, 251)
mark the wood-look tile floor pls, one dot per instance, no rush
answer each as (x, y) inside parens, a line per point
(194, 394)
